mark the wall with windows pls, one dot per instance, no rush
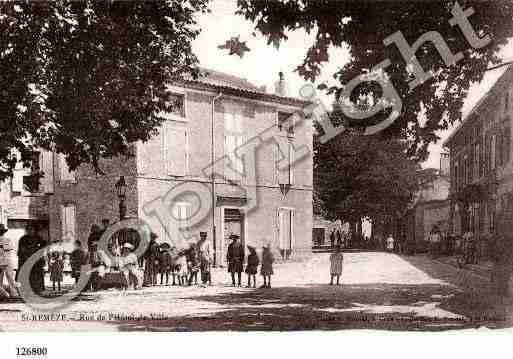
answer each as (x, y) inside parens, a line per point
(481, 152)
(236, 121)
(83, 198)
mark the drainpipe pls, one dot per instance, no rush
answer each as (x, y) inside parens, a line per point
(213, 152)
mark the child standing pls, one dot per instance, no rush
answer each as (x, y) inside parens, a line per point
(56, 267)
(182, 270)
(252, 266)
(267, 266)
(336, 260)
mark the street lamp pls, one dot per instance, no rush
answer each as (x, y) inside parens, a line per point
(121, 191)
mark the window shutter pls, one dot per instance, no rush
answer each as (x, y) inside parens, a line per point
(281, 229)
(492, 152)
(175, 150)
(47, 168)
(292, 244)
(291, 161)
(282, 159)
(498, 150)
(151, 154)
(240, 140)
(63, 220)
(68, 216)
(507, 144)
(487, 153)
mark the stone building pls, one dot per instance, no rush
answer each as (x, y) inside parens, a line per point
(481, 167)
(260, 155)
(430, 208)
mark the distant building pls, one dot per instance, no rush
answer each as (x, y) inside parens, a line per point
(430, 208)
(481, 167)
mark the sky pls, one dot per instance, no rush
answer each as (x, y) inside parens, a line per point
(262, 64)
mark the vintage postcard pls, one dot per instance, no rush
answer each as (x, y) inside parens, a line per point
(250, 165)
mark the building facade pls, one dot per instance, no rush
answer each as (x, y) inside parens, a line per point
(230, 154)
(481, 168)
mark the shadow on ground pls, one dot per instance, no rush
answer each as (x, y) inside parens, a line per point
(460, 302)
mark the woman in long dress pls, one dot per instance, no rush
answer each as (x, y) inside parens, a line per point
(336, 264)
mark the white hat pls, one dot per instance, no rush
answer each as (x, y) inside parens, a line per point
(128, 246)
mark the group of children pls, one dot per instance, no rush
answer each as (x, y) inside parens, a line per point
(160, 260)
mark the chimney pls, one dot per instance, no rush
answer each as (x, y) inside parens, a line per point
(280, 87)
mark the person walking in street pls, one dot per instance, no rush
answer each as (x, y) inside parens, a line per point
(252, 266)
(336, 262)
(390, 243)
(28, 245)
(235, 259)
(7, 264)
(266, 270)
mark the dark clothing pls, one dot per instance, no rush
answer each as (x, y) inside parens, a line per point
(253, 262)
(151, 263)
(77, 259)
(235, 257)
(164, 262)
(27, 246)
(332, 239)
(339, 238)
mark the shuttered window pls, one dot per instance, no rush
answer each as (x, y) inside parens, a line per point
(492, 152)
(233, 139)
(285, 229)
(283, 159)
(181, 215)
(47, 169)
(506, 144)
(68, 220)
(150, 155)
(175, 149)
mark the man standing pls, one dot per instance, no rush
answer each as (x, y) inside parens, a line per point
(6, 264)
(235, 258)
(28, 245)
(332, 239)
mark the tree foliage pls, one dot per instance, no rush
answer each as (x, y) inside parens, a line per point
(85, 78)
(363, 25)
(359, 177)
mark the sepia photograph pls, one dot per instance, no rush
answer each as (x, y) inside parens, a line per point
(245, 166)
